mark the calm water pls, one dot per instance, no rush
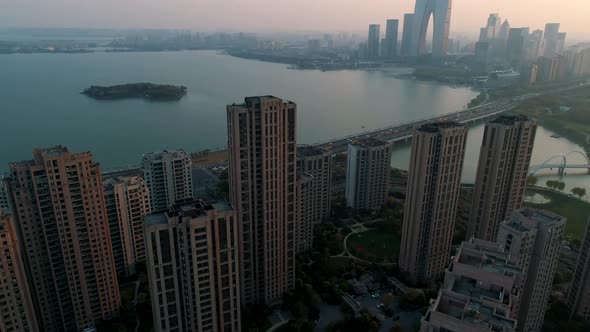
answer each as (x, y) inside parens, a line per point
(41, 105)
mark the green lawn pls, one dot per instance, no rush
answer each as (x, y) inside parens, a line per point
(575, 210)
(375, 246)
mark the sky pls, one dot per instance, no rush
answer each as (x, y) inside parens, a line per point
(283, 15)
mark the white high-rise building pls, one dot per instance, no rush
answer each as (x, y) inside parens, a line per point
(168, 177)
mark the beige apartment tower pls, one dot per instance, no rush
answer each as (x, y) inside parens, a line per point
(16, 307)
(434, 182)
(128, 202)
(62, 224)
(193, 268)
(481, 292)
(367, 173)
(578, 300)
(317, 163)
(501, 174)
(168, 177)
(263, 180)
(532, 238)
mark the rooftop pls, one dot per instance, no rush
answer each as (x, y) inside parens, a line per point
(370, 142)
(526, 219)
(487, 259)
(510, 120)
(474, 312)
(192, 208)
(437, 126)
(310, 151)
(160, 154)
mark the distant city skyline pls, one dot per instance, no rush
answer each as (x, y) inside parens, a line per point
(267, 15)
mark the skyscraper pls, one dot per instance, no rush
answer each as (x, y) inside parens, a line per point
(373, 41)
(62, 223)
(480, 293)
(168, 177)
(502, 173)
(304, 236)
(367, 174)
(128, 202)
(532, 238)
(578, 300)
(440, 10)
(407, 34)
(16, 308)
(491, 30)
(533, 45)
(391, 34)
(515, 49)
(193, 267)
(317, 162)
(560, 45)
(550, 38)
(262, 176)
(434, 182)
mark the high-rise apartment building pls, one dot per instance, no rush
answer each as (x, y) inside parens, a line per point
(128, 202)
(168, 177)
(480, 293)
(533, 45)
(578, 300)
(16, 305)
(550, 38)
(317, 162)
(262, 150)
(502, 173)
(367, 173)
(193, 267)
(532, 238)
(373, 41)
(407, 34)
(304, 235)
(434, 182)
(61, 219)
(391, 33)
(4, 197)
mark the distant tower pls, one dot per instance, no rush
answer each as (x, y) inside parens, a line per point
(317, 162)
(578, 299)
(168, 177)
(262, 150)
(391, 34)
(532, 238)
(193, 268)
(407, 34)
(128, 202)
(61, 218)
(367, 174)
(373, 41)
(502, 173)
(16, 307)
(441, 12)
(434, 183)
(550, 40)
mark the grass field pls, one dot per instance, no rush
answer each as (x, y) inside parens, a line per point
(375, 246)
(575, 210)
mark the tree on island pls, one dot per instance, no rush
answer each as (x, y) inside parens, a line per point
(560, 185)
(532, 180)
(580, 192)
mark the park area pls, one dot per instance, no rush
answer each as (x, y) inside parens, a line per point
(575, 210)
(375, 246)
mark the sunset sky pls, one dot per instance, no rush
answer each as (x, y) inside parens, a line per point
(282, 15)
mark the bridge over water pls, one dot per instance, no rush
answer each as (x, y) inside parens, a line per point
(560, 162)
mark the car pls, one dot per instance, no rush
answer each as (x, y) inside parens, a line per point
(380, 306)
(375, 295)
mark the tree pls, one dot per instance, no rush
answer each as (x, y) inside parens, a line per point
(550, 184)
(532, 180)
(580, 192)
(560, 185)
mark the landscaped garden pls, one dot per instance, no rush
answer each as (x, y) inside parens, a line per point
(374, 246)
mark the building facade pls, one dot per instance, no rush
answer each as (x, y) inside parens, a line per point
(17, 312)
(317, 163)
(262, 150)
(306, 217)
(128, 202)
(193, 268)
(4, 196)
(502, 174)
(481, 292)
(578, 300)
(62, 223)
(407, 35)
(373, 41)
(368, 173)
(532, 238)
(168, 177)
(440, 10)
(434, 183)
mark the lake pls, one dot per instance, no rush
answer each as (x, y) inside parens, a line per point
(41, 105)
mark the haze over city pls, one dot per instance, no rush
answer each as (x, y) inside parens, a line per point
(281, 15)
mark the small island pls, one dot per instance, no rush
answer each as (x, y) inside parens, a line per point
(148, 91)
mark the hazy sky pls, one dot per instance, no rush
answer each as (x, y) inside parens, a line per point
(281, 15)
